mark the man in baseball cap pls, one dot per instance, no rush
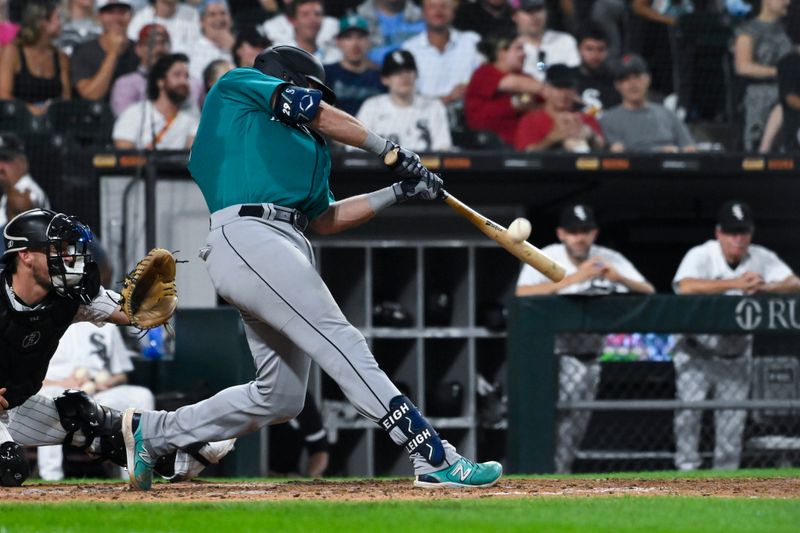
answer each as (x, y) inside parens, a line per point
(20, 192)
(353, 79)
(735, 217)
(629, 65)
(591, 269)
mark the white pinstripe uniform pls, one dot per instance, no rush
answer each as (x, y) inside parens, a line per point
(96, 350)
(718, 362)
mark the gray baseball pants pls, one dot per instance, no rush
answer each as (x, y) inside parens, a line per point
(266, 269)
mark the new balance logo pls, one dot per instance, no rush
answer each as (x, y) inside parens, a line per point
(461, 473)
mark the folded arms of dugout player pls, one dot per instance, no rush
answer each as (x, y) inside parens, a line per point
(299, 106)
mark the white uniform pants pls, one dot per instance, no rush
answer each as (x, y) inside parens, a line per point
(577, 380)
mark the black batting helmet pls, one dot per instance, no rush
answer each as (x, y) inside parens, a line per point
(296, 66)
(65, 240)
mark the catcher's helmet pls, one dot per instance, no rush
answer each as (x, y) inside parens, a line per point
(296, 66)
(65, 240)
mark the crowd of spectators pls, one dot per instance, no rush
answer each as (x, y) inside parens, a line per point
(532, 75)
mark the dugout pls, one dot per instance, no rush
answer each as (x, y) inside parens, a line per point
(646, 413)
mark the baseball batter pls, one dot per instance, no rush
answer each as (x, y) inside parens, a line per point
(263, 167)
(47, 282)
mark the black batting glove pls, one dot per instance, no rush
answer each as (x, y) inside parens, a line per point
(407, 165)
(426, 187)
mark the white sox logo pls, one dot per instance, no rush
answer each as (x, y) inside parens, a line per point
(31, 339)
(780, 313)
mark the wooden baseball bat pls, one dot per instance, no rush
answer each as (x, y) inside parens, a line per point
(522, 250)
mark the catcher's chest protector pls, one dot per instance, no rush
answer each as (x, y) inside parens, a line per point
(28, 341)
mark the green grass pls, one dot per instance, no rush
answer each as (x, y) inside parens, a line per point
(562, 515)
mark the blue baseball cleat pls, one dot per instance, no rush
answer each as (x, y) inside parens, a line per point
(140, 464)
(462, 474)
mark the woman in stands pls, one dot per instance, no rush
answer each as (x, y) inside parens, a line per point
(32, 69)
(499, 93)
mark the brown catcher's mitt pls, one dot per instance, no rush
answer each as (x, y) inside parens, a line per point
(149, 295)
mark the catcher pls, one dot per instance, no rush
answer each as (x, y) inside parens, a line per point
(49, 281)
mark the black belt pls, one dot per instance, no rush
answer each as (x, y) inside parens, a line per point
(276, 212)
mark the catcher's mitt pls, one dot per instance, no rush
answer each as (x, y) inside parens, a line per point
(149, 295)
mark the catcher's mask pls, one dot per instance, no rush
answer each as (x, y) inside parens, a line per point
(297, 67)
(65, 241)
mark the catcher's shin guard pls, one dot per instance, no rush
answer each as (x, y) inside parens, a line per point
(78, 412)
(420, 437)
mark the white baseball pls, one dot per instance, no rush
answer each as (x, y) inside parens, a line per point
(89, 388)
(102, 377)
(81, 373)
(519, 230)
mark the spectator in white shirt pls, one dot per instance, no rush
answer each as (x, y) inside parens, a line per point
(402, 116)
(159, 122)
(281, 29)
(217, 40)
(20, 192)
(542, 46)
(446, 57)
(182, 23)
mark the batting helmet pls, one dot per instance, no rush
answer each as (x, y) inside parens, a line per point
(296, 66)
(66, 243)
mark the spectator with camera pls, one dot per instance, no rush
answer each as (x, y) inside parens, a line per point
(32, 69)
(720, 365)
(559, 125)
(637, 125)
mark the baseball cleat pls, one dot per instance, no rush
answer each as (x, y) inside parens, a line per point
(193, 460)
(140, 464)
(463, 474)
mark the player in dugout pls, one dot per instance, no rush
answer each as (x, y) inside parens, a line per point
(262, 165)
(49, 281)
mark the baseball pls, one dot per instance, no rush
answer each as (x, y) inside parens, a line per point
(519, 230)
(81, 373)
(102, 377)
(89, 388)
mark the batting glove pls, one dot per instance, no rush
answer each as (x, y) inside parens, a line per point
(426, 187)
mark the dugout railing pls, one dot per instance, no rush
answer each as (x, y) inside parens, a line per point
(533, 406)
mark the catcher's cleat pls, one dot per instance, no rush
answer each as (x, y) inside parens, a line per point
(463, 474)
(140, 463)
(188, 465)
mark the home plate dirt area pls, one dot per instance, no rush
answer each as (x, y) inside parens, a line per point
(377, 490)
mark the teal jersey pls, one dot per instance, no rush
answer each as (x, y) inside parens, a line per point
(242, 154)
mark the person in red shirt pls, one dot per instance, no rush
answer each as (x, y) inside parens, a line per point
(499, 93)
(557, 125)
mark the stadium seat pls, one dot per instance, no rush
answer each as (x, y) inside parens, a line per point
(83, 123)
(15, 117)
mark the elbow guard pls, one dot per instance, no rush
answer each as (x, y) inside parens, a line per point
(297, 105)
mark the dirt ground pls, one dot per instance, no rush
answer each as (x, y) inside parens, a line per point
(376, 490)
